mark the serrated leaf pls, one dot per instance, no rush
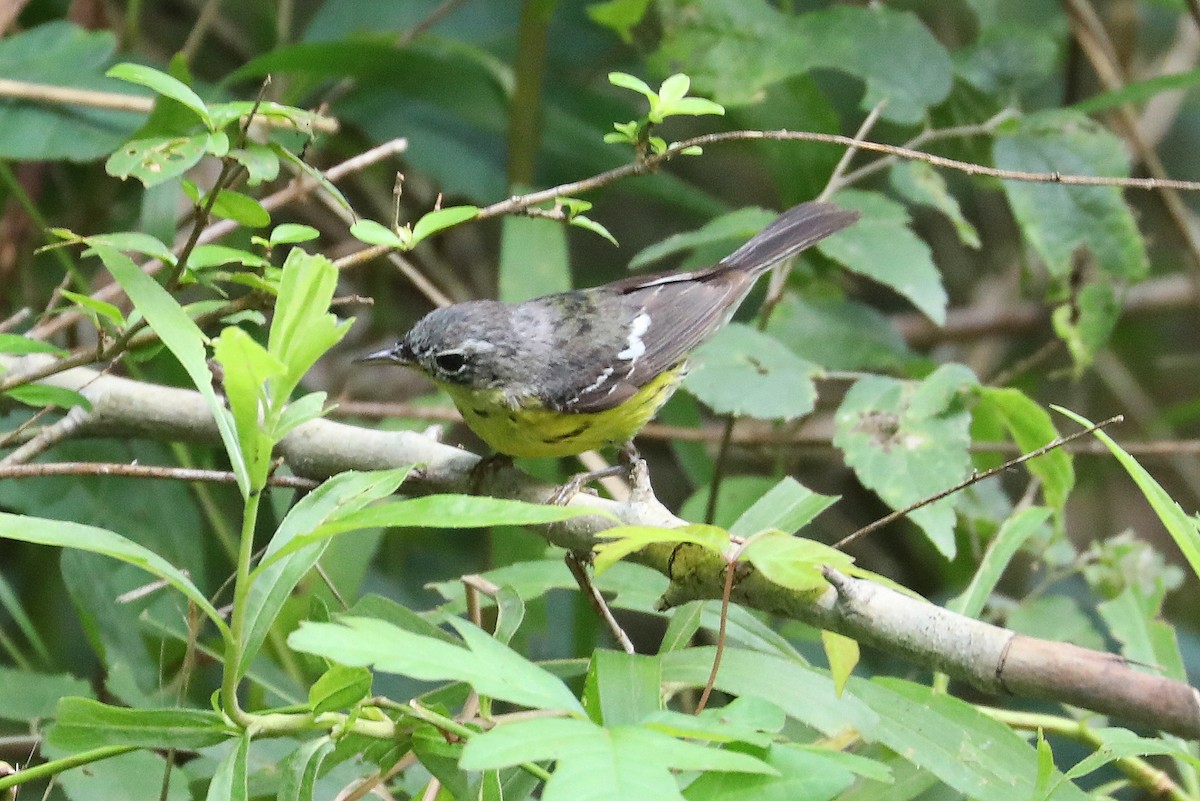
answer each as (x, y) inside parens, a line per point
(906, 447)
(921, 183)
(624, 762)
(883, 248)
(741, 371)
(1058, 220)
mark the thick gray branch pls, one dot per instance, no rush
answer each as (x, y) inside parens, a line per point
(988, 657)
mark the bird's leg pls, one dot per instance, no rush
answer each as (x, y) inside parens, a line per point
(629, 464)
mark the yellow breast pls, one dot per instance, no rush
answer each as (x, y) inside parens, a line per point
(531, 429)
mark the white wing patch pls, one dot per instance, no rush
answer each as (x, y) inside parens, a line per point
(634, 346)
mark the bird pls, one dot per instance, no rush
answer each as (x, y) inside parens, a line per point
(575, 371)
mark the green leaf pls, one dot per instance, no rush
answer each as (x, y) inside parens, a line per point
(277, 575)
(882, 247)
(788, 506)
(246, 367)
(1181, 527)
(440, 220)
(588, 224)
(135, 242)
(65, 534)
(793, 562)
(20, 345)
(82, 724)
(1008, 540)
(438, 511)
(840, 334)
(842, 653)
(138, 774)
(1031, 428)
(373, 233)
(810, 775)
(164, 85)
(302, 330)
(533, 258)
(490, 667)
(892, 51)
(622, 762)
(61, 54)
(724, 231)
(27, 696)
(157, 159)
(622, 689)
(1138, 91)
(98, 308)
(299, 775)
(743, 372)
(242, 209)
(303, 166)
(1058, 220)
(920, 183)
(292, 233)
(1086, 323)
(908, 441)
(230, 781)
(1059, 618)
(621, 541)
(619, 16)
(340, 687)
(39, 395)
(260, 162)
(627, 81)
(204, 257)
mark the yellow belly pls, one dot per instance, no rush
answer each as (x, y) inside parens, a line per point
(533, 430)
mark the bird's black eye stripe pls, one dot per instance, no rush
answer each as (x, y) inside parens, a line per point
(451, 361)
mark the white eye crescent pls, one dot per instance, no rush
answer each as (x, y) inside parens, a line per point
(451, 361)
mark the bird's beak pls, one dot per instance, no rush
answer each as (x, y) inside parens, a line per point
(399, 353)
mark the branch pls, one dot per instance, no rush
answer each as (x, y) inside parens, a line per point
(990, 658)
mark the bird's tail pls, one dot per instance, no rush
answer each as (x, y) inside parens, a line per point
(790, 232)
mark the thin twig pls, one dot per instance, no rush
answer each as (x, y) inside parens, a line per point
(579, 571)
(142, 471)
(975, 478)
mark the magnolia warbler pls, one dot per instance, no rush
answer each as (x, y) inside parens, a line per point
(570, 372)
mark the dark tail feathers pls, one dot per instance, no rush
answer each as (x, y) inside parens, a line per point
(790, 232)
